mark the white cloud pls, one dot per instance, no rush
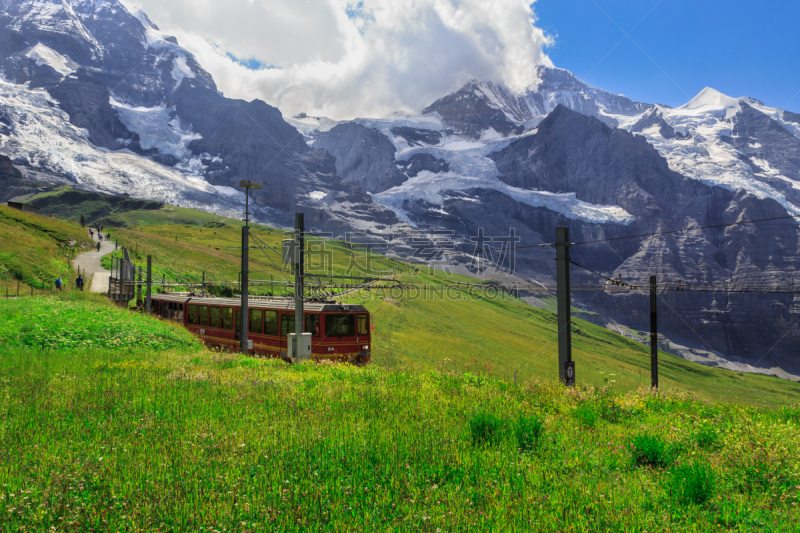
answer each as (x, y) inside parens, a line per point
(343, 59)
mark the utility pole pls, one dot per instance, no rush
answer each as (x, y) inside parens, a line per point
(148, 302)
(298, 280)
(653, 335)
(204, 283)
(566, 366)
(245, 275)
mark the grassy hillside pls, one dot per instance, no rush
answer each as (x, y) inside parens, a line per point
(452, 327)
(135, 439)
(443, 326)
(33, 248)
(76, 320)
(114, 211)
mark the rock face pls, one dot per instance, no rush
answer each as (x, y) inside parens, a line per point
(12, 183)
(478, 106)
(654, 117)
(122, 49)
(423, 162)
(578, 153)
(86, 101)
(768, 148)
(469, 112)
(7, 169)
(364, 156)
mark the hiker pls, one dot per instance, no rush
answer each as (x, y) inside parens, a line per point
(98, 246)
(59, 283)
(116, 245)
(79, 282)
(91, 234)
(100, 236)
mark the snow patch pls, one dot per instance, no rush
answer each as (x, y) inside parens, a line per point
(433, 187)
(156, 129)
(712, 101)
(44, 55)
(227, 191)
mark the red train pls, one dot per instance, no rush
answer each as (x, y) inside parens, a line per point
(338, 332)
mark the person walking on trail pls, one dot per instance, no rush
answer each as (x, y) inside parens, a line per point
(59, 283)
(98, 246)
(79, 282)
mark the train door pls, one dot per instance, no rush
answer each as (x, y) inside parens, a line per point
(287, 326)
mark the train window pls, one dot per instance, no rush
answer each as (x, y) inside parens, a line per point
(270, 322)
(192, 315)
(312, 325)
(256, 321)
(213, 312)
(340, 325)
(363, 324)
(287, 325)
(227, 318)
(204, 315)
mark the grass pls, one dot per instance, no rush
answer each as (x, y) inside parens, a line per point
(33, 248)
(111, 433)
(434, 323)
(143, 440)
(76, 321)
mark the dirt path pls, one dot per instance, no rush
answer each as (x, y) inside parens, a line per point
(89, 264)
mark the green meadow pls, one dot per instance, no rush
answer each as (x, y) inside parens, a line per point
(131, 438)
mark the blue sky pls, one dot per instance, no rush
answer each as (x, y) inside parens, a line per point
(741, 48)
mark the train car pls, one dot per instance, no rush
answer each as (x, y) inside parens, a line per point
(338, 332)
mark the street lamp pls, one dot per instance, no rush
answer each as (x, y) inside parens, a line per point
(247, 185)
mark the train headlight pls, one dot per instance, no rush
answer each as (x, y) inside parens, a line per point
(366, 347)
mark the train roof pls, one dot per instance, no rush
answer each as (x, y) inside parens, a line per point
(286, 304)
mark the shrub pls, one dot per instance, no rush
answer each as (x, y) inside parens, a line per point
(791, 414)
(485, 429)
(650, 450)
(586, 415)
(692, 482)
(707, 436)
(528, 432)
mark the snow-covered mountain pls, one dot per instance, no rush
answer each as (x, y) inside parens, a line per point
(565, 153)
(95, 95)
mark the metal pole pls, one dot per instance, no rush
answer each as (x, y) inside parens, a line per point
(563, 296)
(139, 289)
(204, 283)
(121, 281)
(17, 288)
(148, 302)
(298, 279)
(653, 335)
(110, 277)
(245, 281)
